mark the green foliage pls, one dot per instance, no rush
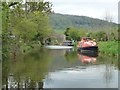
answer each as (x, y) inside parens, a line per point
(82, 32)
(71, 33)
(109, 48)
(42, 6)
(24, 24)
(74, 33)
(67, 32)
(25, 29)
(61, 22)
(43, 28)
(100, 36)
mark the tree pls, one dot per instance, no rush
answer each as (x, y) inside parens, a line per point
(24, 24)
(73, 33)
(82, 32)
(108, 19)
(43, 29)
(100, 36)
(42, 6)
(67, 32)
(25, 29)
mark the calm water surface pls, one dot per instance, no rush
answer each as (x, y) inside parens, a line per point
(45, 68)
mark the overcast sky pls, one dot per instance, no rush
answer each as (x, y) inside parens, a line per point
(91, 8)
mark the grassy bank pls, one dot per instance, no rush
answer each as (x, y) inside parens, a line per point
(109, 48)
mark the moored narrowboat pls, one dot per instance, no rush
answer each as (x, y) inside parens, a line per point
(87, 44)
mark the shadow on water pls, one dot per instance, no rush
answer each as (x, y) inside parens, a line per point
(45, 68)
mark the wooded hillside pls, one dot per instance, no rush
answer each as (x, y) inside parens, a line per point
(62, 21)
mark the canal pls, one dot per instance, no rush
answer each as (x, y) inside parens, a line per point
(45, 68)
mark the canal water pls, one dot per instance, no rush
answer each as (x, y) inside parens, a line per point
(44, 68)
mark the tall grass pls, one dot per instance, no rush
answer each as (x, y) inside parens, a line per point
(109, 48)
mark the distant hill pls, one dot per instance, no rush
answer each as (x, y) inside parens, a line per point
(62, 21)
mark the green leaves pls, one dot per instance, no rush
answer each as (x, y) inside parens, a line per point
(43, 29)
(73, 33)
(25, 29)
(24, 21)
(41, 6)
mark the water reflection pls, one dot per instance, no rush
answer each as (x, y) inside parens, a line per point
(74, 74)
(60, 69)
(23, 83)
(26, 71)
(87, 57)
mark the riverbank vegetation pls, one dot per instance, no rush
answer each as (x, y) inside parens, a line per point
(109, 48)
(101, 34)
(24, 25)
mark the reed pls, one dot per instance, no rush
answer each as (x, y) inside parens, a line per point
(109, 48)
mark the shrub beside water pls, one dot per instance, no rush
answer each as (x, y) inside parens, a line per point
(109, 48)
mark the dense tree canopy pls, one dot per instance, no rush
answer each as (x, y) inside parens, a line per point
(24, 21)
(74, 33)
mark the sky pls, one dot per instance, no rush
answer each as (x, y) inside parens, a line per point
(90, 8)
